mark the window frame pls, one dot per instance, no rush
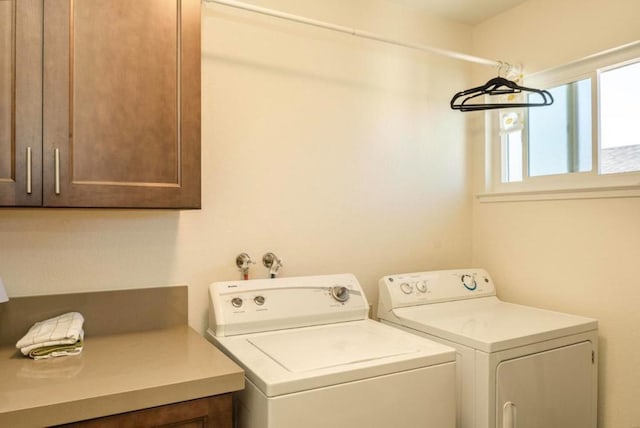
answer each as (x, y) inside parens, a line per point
(588, 184)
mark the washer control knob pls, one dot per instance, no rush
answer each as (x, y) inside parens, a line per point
(340, 293)
(421, 286)
(236, 302)
(259, 300)
(406, 288)
(469, 282)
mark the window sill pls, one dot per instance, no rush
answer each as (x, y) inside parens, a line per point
(561, 194)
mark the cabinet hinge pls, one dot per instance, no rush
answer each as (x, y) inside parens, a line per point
(593, 357)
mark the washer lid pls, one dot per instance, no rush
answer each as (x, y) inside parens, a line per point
(302, 351)
(490, 325)
(293, 360)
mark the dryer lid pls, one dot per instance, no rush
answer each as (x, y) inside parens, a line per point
(490, 325)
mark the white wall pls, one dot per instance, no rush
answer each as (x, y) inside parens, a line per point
(578, 256)
(337, 154)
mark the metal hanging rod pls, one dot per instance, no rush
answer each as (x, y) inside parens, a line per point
(355, 32)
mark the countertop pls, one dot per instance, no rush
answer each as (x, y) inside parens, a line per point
(113, 374)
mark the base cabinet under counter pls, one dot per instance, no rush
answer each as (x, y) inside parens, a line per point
(208, 412)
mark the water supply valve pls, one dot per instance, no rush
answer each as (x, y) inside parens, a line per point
(244, 262)
(273, 263)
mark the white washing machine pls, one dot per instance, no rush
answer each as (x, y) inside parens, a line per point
(517, 366)
(313, 359)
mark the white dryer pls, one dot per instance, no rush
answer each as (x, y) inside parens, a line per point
(517, 366)
(313, 359)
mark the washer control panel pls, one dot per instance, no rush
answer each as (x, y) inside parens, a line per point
(239, 307)
(421, 288)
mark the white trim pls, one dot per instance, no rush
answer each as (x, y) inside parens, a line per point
(561, 194)
(605, 56)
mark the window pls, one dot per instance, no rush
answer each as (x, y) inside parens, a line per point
(619, 112)
(588, 139)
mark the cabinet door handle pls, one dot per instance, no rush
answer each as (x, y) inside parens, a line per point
(28, 170)
(57, 171)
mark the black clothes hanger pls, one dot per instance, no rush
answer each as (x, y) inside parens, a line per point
(498, 86)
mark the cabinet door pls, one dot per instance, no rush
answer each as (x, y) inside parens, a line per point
(20, 102)
(122, 103)
(209, 412)
(552, 389)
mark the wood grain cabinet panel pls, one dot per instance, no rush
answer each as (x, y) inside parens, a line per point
(107, 95)
(20, 102)
(210, 412)
(122, 103)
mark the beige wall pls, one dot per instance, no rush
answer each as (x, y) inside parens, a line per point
(577, 256)
(341, 155)
(338, 154)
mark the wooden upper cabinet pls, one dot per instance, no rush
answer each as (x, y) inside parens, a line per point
(20, 102)
(121, 103)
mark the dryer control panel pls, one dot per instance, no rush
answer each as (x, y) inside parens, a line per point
(240, 307)
(421, 288)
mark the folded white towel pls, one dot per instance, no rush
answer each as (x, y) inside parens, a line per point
(58, 350)
(65, 329)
